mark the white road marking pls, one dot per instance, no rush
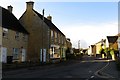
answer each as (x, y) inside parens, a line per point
(100, 71)
(92, 77)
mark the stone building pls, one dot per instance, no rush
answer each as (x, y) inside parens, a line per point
(92, 50)
(112, 40)
(13, 37)
(69, 45)
(45, 41)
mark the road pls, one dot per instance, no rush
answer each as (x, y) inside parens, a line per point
(86, 68)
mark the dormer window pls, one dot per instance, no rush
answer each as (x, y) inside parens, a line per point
(17, 35)
(5, 32)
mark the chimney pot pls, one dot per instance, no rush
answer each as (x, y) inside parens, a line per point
(10, 8)
(49, 18)
(30, 4)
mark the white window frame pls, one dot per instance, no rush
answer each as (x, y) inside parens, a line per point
(5, 32)
(17, 35)
(56, 36)
(15, 53)
(51, 33)
(25, 37)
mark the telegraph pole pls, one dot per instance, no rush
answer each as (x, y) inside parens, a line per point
(79, 44)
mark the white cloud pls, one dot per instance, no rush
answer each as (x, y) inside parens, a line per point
(89, 34)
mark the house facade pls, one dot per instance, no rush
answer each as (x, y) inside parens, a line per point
(57, 45)
(13, 38)
(0, 30)
(92, 50)
(112, 42)
(100, 45)
(69, 45)
(45, 41)
(119, 45)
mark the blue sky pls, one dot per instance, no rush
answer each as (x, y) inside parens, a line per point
(88, 22)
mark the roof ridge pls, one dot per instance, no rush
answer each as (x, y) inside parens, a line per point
(9, 21)
(48, 22)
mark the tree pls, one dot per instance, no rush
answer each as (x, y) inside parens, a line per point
(68, 51)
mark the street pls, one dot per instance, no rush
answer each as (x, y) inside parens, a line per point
(87, 68)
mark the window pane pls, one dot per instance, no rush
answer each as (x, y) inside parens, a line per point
(15, 53)
(5, 32)
(5, 29)
(51, 33)
(17, 35)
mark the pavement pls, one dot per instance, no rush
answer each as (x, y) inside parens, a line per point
(35, 68)
(111, 70)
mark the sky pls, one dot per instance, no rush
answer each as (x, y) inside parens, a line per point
(87, 21)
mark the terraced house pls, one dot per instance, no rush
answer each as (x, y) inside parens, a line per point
(13, 37)
(57, 41)
(46, 42)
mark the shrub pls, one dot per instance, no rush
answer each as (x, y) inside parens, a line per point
(70, 56)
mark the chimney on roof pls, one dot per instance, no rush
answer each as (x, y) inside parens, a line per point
(68, 39)
(29, 5)
(10, 8)
(49, 18)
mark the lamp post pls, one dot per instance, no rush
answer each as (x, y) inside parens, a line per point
(41, 54)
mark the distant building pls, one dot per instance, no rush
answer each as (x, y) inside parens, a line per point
(76, 51)
(13, 37)
(118, 41)
(85, 51)
(69, 45)
(100, 45)
(92, 50)
(112, 42)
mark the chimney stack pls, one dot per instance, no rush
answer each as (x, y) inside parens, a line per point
(29, 5)
(10, 8)
(49, 18)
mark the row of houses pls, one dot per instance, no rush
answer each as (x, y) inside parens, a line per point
(111, 42)
(31, 38)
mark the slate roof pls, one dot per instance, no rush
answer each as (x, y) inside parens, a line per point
(76, 50)
(112, 39)
(101, 41)
(9, 21)
(49, 23)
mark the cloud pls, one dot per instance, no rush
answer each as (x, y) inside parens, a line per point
(89, 33)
